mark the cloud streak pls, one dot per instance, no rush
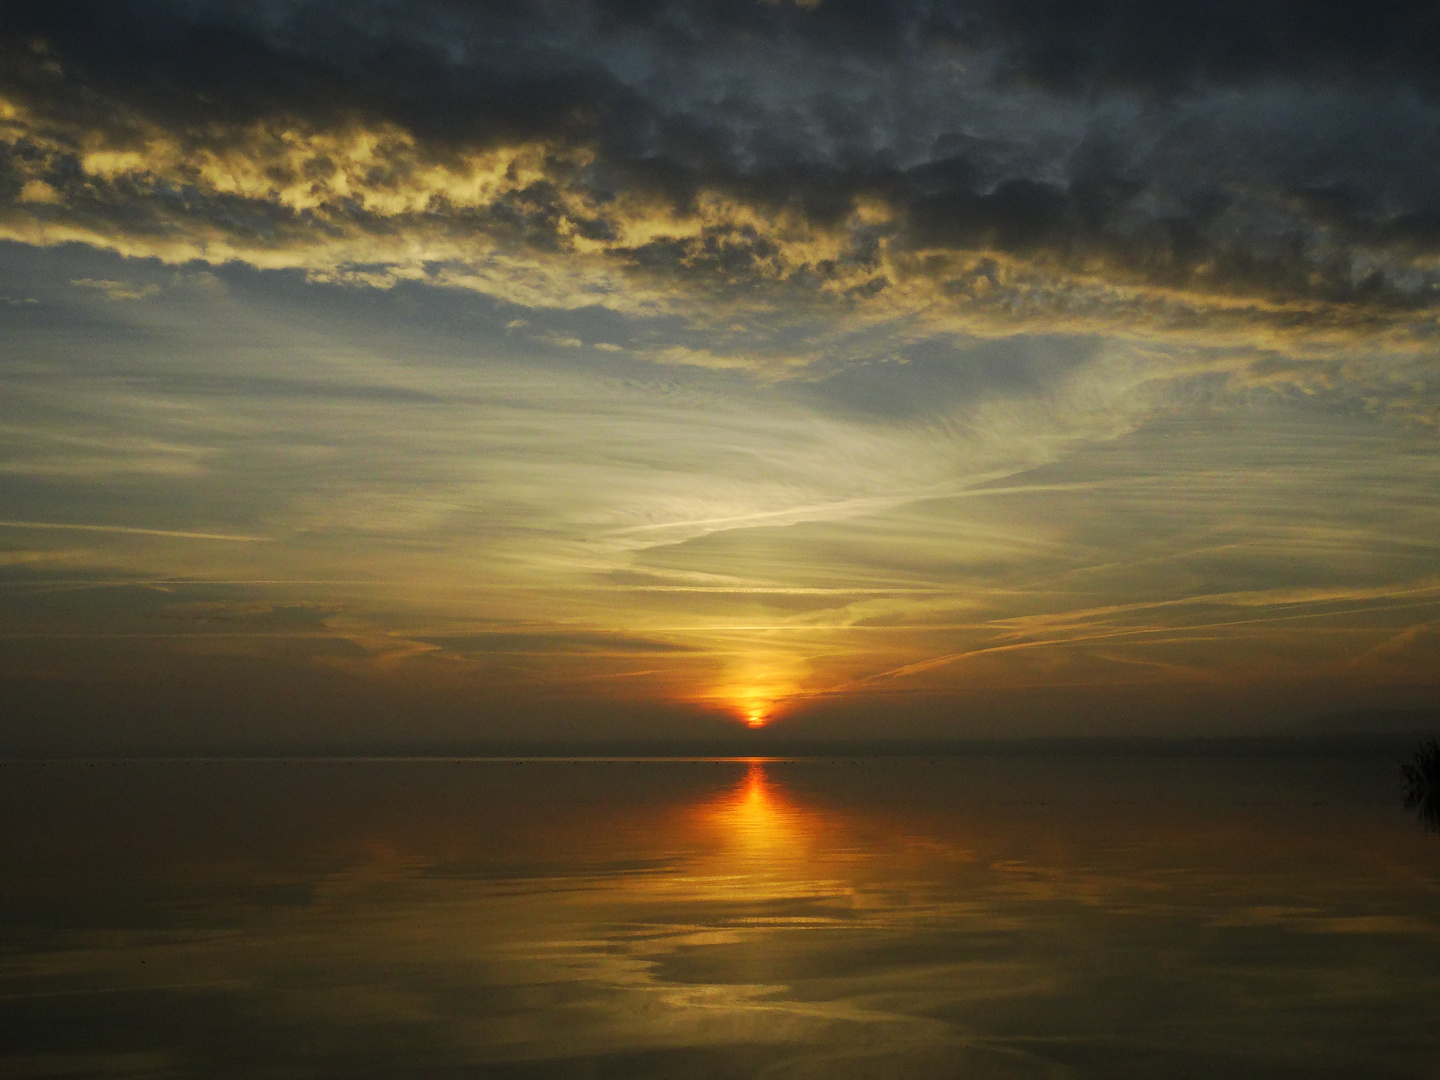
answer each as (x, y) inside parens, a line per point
(130, 531)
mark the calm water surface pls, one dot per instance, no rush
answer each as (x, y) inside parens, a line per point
(978, 918)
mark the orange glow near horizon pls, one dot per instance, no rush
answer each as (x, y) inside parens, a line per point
(756, 704)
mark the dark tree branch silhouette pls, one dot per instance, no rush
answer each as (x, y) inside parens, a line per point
(1420, 777)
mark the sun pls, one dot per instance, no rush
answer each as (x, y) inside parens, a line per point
(758, 698)
(756, 707)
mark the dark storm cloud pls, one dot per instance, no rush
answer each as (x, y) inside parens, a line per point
(1168, 46)
(1281, 151)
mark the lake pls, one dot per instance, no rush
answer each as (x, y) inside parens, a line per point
(976, 917)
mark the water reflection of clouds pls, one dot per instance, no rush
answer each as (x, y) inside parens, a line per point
(758, 919)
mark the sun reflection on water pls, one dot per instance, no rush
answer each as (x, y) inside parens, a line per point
(759, 816)
(764, 832)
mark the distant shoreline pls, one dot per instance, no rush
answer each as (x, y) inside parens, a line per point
(1336, 745)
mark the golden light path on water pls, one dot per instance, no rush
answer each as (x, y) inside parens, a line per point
(716, 919)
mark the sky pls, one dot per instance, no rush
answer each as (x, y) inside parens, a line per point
(462, 370)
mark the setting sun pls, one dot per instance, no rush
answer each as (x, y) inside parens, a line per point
(759, 696)
(757, 707)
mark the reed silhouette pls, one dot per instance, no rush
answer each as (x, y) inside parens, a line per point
(1420, 779)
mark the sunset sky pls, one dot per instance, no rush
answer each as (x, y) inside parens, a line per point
(451, 370)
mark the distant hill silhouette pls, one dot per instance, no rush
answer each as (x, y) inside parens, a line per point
(1344, 742)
